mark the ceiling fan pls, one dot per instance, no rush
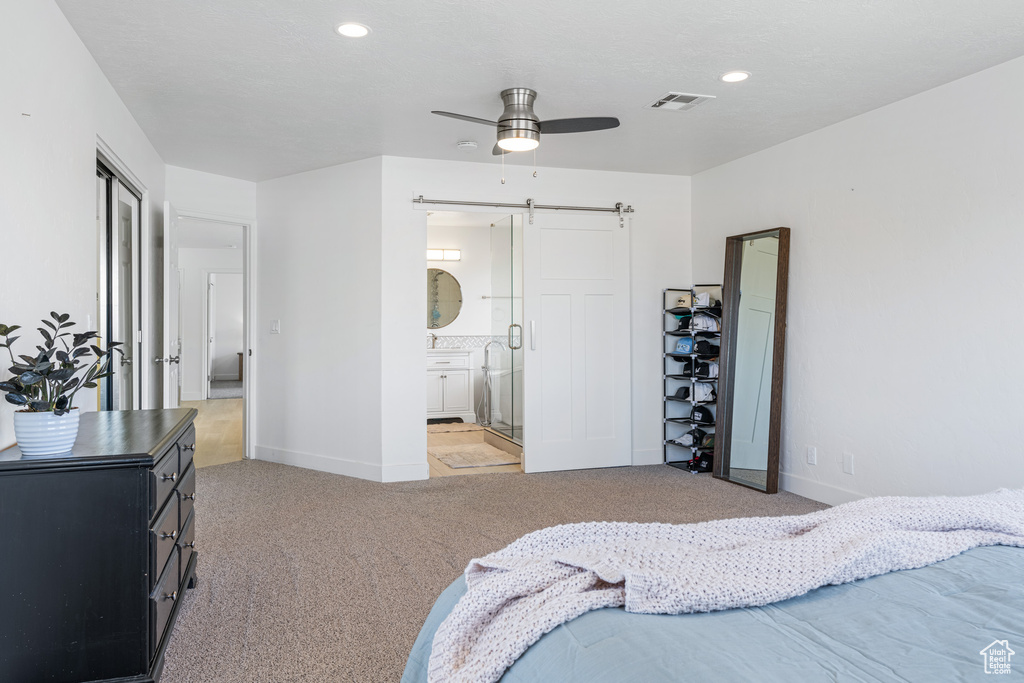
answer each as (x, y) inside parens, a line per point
(519, 128)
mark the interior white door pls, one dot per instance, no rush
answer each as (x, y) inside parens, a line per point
(171, 342)
(753, 379)
(576, 379)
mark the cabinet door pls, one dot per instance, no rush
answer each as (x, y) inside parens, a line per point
(456, 392)
(435, 392)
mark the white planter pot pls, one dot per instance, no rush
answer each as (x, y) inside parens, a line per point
(45, 433)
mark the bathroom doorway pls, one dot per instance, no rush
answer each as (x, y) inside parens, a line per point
(474, 342)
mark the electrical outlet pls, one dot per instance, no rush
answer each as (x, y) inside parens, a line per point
(848, 463)
(812, 455)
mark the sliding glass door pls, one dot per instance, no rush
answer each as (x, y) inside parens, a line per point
(505, 362)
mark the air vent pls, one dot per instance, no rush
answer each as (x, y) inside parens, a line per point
(679, 101)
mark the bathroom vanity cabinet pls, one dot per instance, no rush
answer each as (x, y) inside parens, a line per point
(450, 384)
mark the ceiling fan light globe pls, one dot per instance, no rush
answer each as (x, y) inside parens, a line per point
(518, 144)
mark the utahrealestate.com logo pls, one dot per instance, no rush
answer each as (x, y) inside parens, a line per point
(997, 657)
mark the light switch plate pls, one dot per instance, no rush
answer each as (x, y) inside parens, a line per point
(812, 455)
(275, 327)
(848, 463)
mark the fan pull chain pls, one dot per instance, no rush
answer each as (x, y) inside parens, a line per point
(502, 169)
(534, 162)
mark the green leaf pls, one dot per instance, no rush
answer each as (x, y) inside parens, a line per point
(87, 385)
(97, 350)
(63, 356)
(62, 374)
(16, 399)
(53, 314)
(68, 324)
(29, 378)
(62, 403)
(51, 325)
(27, 359)
(11, 340)
(84, 351)
(46, 335)
(10, 386)
(44, 367)
(12, 328)
(39, 406)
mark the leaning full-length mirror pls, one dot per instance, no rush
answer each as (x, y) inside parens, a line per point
(753, 345)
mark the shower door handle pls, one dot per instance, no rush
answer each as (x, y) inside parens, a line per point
(511, 343)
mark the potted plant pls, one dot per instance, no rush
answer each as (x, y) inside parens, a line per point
(44, 386)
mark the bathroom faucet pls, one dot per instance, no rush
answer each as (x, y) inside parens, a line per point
(433, 340)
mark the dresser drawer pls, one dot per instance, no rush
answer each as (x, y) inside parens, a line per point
(186, 545)
(163, 477)
(186, 493)
(162, 537)
(186, 448)
(161, 602)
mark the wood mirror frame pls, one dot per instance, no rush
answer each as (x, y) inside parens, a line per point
(727, 370)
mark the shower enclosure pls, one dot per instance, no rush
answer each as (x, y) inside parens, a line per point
(505, 359)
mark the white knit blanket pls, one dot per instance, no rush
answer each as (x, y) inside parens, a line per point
(550, 576)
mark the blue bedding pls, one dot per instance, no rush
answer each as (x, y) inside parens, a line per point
(927, 624)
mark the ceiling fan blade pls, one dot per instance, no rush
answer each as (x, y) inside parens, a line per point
(498, 151)
(578, 125)
(463, 117)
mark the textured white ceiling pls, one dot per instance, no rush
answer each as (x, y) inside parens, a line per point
(257, 89)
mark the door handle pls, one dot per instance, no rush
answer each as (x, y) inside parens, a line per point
(511, 343)
(172, 359)
(126, 360)
(533, 335)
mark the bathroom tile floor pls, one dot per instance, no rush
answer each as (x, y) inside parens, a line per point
(439, 469)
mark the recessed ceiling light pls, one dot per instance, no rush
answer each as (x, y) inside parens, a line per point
(735, 76)
(352, 30)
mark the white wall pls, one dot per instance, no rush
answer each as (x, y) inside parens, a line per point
(473, 273)
(55, 102)
(190, 190)
(319, 273)
(905, 325)
(660, 246)
(194, 265)
(228, 331)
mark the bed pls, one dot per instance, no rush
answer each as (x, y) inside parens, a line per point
(926, 624)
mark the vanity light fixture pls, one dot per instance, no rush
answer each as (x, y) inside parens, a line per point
(735, 76)
(444, 254)
(352, 30)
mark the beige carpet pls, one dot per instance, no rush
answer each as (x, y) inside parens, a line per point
(454, 427)
(314, 577)
(472, 455)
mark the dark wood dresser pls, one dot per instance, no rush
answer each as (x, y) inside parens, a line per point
(97, 549)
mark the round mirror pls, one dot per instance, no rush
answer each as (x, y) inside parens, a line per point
(444, 298)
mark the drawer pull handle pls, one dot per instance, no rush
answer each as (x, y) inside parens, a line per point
(173, 476)
(171, 596)
(190, 545)
(190, 496)
(172, 535)
(186, 447)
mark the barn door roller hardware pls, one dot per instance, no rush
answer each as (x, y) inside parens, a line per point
(620, 208)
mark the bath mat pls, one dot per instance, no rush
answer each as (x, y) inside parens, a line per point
(453, 427)
(472, 455)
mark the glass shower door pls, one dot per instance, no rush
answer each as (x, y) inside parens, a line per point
(505, 361)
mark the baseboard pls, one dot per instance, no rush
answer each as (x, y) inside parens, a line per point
(815, 490)
(650, 456)
(348, 468)
(232, 377)
(415, 471)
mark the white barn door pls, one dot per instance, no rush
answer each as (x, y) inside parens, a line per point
(576, 378)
